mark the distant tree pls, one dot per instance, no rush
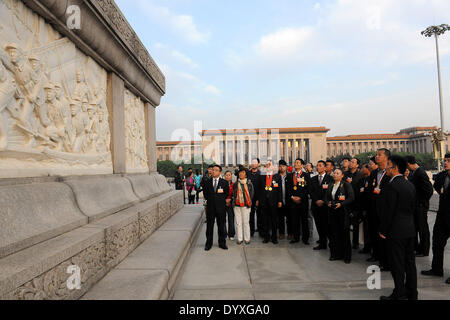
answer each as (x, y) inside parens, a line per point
(168, 168)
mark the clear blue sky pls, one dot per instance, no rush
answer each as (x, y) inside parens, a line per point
(354, 66)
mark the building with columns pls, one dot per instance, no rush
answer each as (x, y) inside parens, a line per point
(231, 147)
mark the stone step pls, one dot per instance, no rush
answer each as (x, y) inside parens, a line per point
(150, 271)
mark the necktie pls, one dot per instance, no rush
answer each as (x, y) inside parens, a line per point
(320, 179)
(215, 185)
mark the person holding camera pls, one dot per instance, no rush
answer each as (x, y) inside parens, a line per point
(338, 198)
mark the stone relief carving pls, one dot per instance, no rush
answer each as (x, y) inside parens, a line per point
(52, 285)
(123, 241)
(52, 97)
(136, 142)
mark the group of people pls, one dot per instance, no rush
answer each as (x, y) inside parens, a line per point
(192, 183)
(389, 196)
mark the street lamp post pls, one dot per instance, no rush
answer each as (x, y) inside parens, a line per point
(437, 31)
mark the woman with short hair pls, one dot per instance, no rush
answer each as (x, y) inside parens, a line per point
(243, 192)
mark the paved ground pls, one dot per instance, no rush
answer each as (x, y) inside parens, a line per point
(295, 272)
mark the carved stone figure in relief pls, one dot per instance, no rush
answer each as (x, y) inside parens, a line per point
(63, 101)
(81, 87)
(92, 130)
(79, 134)
(7, 97)
(25, 79)
(103, 142)
(55, 127)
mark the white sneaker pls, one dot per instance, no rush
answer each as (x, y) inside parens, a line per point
(231, 238)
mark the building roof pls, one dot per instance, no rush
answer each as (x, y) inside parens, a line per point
(174, 143)
(370, 137)
(265, 130)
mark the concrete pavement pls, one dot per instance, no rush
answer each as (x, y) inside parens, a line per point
(284, 271)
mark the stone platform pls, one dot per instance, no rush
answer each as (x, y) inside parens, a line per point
(92, 222)
(149, 273)
(289, 272)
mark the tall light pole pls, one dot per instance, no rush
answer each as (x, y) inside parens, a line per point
(437, 31)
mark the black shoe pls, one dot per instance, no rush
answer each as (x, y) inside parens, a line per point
(384, 269)
(355, 247)
(432, 273)
(306, 243)
(294, 241)
(364, 251)
(347, 261)
(419, 255)
(223, 246)
(319, 247)
(334, 259)
(207, 247)
(275, 241)
(372, 259)
(266, 241)
(447, 281)
(393, 297)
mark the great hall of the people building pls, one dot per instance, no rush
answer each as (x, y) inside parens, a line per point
(231, 147)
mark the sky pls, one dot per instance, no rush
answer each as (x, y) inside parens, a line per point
(353, 66)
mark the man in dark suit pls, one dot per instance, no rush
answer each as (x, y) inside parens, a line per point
(179, 181)
(298, 186)
(253, 175)
(283, 212)
(216, 191)
(270, 195)
(441, 230)
(377, 183)
(355, 178)
(319, 187)
(424, 190)
(398, 230)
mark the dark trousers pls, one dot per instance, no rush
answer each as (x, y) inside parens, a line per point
(373, 233)
(422, 243)
(403, 266)
(197, 195)
(255, 214)
(384, 253)
(321, 218)
(230, 222)
(441, 234)
(299, 214)
(340, 245)
(365, 222)
(211, 216)
(191, 197)
(270, 220)
(284, 218)
(355, 221)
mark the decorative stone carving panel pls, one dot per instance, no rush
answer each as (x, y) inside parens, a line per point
(53, 114)
(121, 243)
(52, 285)
(135, 134)
(148, 224)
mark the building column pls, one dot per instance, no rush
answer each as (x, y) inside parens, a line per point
(150, 129)
(116, 108)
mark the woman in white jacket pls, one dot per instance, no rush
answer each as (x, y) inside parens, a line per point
(242, 202)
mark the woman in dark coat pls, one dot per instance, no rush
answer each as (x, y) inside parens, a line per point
(338, 198)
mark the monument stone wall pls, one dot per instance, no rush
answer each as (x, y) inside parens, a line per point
(78, 180)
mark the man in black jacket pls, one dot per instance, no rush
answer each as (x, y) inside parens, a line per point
(216, 191)
(319, 187)
(355, 178)
(283, 212)
(398, 229)
(298, 187)
(179, 181)
(441, 230)
(270, 194)
(253, 175)
(424, 190)
(377, 183)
